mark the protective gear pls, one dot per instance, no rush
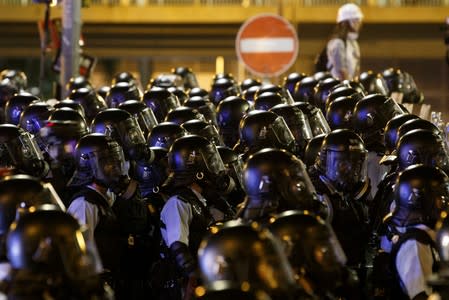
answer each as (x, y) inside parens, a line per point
(267, 100)
(312, 249)
(317, 121)
(352, 84)
(34, 116)
(322, 75)
(276, 181)
(78, 82)
(144, 116)
(284, 93)
(16, 105)
(69, 114)
(221, 89)
(322, 90)
(339, 112)
(197, 91)
(104, 157)
(71, 104)
(312, 150)
(422, 147)
(304, 89)
(204, 106)
(371, 114)
(233, 163)
(91, 102)
(421, 194)
(103, 91)
(229, 113)
(194, 159)
(121, 126)
(125, 77)
(179, 93)
(250, 94)
(249, 82)
(297, 123)
(18, 78)
(403, 83)
(7, 91)
(260, 129)
(341, 91)
(19, 151)
(183, 114)
(291, 80)
(391, 136)
(47, 247)
(120, 92)
(188, 77)
(238, 254)
(342, 159)
(152, 176)
(204, 129)
(373, 83)
(417, 123)
(164, 134)
(348, 12)
(166, 81)
(160, 101)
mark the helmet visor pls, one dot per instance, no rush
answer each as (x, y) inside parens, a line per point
(282, 133)
(110, 164)
(318, 123)
(346, 168)
(130, 132)
(210, 132)
(212, 159)
(147, 120)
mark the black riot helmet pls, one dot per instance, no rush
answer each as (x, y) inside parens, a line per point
(34, 116)
(339, 113)
(275, 181)
(71, 104)
(304, 89)
(237, 254)
(391, 135)
(417, 123)
(124, 128)
(188, 76)
(19, 192)
(125, 77)
(223, 88)
(49, 243)
(249, 82)
(164, 134)
(165, 80)
(373, 83)
(233, 163)
(152, 176)
(250, 94)
(322, 90)
(91, 102)
(322, 75)
(179, 93)
(7, 91)
(197, 91)
(260, 129)
(402, 83)
(229, 113)
(204, 129)
(144, 115)
(342, 159)
(291, 80)
(370, 116)
(315, 116)
(357, 86)
(421, 146)
(160, 101)
(69, 114)
(17, 77)
(341, 91)
(267, 100)
(78, 82)
(103, 156)
(103, 91)
(421, 194)
(312, 150)
(194, 159)
(120, 92)
(297, 123)
(205, 107)
(183, 114)
(311, 247)
(16, 105)
(20, 151)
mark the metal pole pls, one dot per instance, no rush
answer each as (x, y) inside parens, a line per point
(70, 52)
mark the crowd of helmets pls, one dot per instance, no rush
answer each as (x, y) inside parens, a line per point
(317, 179)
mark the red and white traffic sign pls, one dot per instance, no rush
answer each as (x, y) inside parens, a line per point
(267, 45)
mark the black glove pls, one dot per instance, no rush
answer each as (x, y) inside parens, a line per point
(183, 258)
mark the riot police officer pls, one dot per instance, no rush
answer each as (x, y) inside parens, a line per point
(229, 113)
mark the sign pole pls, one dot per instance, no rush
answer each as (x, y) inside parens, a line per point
(70, 51)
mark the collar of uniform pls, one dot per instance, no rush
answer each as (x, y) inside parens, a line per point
(199, 196)
(108, 196)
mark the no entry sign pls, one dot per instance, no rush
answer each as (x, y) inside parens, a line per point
(267, 45)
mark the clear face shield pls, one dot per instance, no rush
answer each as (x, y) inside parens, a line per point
(236, 169)
(23, 152)
(282, 133)
(109, 166)
(328, 253)
(210, 132)
(212, 159)
(146, 120)
(300, 190)
(318, 123)
(345, 169)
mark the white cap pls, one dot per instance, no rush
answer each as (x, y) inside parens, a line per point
(349, 11)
